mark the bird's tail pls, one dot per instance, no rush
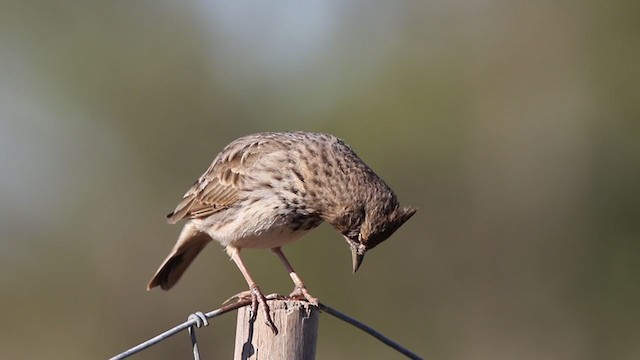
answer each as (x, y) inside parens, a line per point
(188, 246)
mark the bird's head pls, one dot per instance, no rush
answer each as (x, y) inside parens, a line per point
(367, 226)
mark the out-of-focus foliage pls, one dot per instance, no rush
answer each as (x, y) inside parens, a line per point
(513, 126)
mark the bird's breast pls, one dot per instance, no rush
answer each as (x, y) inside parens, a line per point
(267, 223)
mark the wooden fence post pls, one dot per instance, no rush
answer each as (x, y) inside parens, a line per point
(297, 323)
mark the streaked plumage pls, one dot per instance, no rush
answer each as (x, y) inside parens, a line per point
(268, 189)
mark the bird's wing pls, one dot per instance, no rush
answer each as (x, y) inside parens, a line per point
(219, 187)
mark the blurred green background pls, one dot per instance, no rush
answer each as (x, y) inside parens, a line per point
(512, 125)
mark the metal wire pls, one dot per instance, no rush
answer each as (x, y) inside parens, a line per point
(369, 330)
(199, 319)
(192, 321)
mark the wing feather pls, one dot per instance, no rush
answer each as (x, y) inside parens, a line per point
(219, 187)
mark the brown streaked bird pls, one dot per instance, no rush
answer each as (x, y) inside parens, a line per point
(268, 189)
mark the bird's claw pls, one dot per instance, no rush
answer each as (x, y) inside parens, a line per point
(246, 295)
(301, 293)
(258, 300)
(243, 295)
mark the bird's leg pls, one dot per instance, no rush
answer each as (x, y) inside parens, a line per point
(300, 291)
(257, 298)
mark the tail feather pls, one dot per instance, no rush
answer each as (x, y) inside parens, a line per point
(189, 245)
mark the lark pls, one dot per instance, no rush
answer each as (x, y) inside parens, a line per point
(268, 189)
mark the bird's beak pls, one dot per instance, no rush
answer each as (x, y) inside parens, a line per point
(357, 258)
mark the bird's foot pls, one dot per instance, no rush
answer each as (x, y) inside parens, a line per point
(301, 293)
(241, 296)
(246, 295)
(258, 300)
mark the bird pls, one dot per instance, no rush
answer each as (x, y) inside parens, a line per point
(268, 189)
